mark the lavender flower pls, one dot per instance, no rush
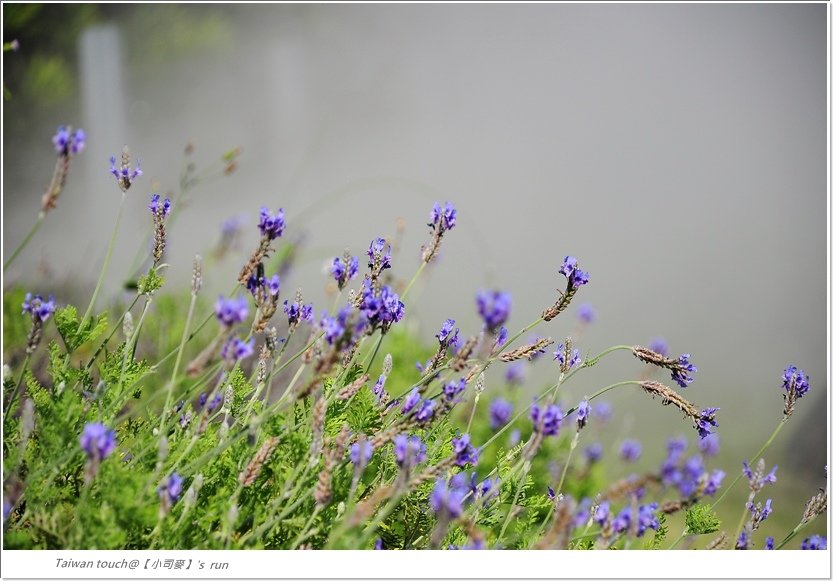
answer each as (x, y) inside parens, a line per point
(98, 441)
(516, 373)
(706, 422)
(271, 226)
(645, 518)
(379, 255)
(236, 349)
(710, 445)
(215, 402)
(683, 370)
(814, 543)
(379, 388)
(586, 313)
(548, 421)
(567, 360)
(297, 311)
(38, 308)
(630, 451)
(124, 174)
(575, 276)
(583, 413)
(604, 411)
(68, 142)
(757, 479)
(155, 207)
(360, 453)
(411, 401)
(713, 482)
(382, 309)
(602, 512)
(447, 501)
(231, 311)
(464, 452)
(408, 450)
(769, 544)
(796, 379)
(344, 270)
(493, 307)
(743, 541)
(171, 488)
(443, 218)
(500, 411)
(426, 412)
(445, 336)
(378, 546)
(453, 389)
(593, 452)
(335, 328)
(659, 345)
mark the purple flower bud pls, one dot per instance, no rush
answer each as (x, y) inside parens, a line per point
(98, 441)
(710, 445)
(814, 543)
(706, 422)
(500, 411)
(426, 412)
(586, 313)
(154, 206)
(236, 349)
(493, 307)
(379, 253)
(344, 270)
(447, 501)
(408, 450)
(271, 225)
(445, 331)
(583, 413)
(411, 401)
(171, 488)
(548, 421)
(453, 389)
(443, 218)
(37, 307)
(464, 452)
(769, 544)
(630, 451)
(797, 378)
(575, 276)
(360, 453)
(231, 311)
(683, 369)
(658, 345)
(567, 361)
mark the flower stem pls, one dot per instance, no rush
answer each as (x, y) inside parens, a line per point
(18, 384)
(25, 241)
(178, 361)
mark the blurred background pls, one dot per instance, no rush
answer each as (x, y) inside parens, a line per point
(679, 151)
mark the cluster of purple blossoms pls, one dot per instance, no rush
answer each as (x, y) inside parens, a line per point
(97, 441)
(379, 388)
(447, 497)
(271, 226)
(515, 373)
(796, 379)
(171, 488)
(742, 543)
(706, 422)
(814, 543)
(453, 389)
(604, 411)
(37, 307)
(296, 312)
(443, 218)
(757, 479)
(583, 413)
(485, 490)
(586, 313)
(360, 454)
(547, 422)
(379, 255)
(236, 349)
(449, 334)
(681, 373)
(125, 176)
(424, 408)
(382, 309)
(500, 411)
(659, 345)
(593, 452)
(575, 276)
(68, 142)
(646, 518)
(710, 445)
(494, 307)
(565, 359)
(759, 513)
(336, 327)
(464, 452)
(408, 450)
(155, 207)
(259, 285)
(231, 311)
(344, 270)
(769, 544)
(630, 451)
(688, 476)
(213, 404)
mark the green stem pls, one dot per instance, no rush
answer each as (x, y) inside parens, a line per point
(794, 532)
(105, 265)
(18, 384)
(25, 241)
(573, 445)
(172, 383)
(413, 280)
(755, 457)
(680, 538)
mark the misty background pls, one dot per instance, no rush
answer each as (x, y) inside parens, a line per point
(678, 151)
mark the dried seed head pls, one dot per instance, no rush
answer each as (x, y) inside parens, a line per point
(250, 474)
(352, 389)
(719, 542)
(196, 275)
(527, 351)
(127, 326)
(480, 385)
(387, 365)
(815, 506)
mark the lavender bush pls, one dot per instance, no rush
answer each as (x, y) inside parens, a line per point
(254, 419)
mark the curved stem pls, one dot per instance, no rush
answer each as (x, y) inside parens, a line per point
(18, 384)
(178, 361)
(755, 457)
(25, 241)
(104, 266)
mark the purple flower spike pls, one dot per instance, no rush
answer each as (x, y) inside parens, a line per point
(583, 413)
(344, 270)
(575, 276)
(630, 451)
(548, 421)
(443, 218)
(681, 373)
(98, 441)
(408, 450)
(797, 379)
(171, 488)
(426, 412)
(231, 311)
(271, 225)
(566, 360)
(237, 349)
(814, 543)
(379, 254)
(37, 307)
(499, 413)
(706, 422)
(411, 401)
(447, 501)
(464, 452)
(493, 307)
(360, 453)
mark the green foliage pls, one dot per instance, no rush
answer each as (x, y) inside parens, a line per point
(150, 283)
(72, 332)
(700, 520)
